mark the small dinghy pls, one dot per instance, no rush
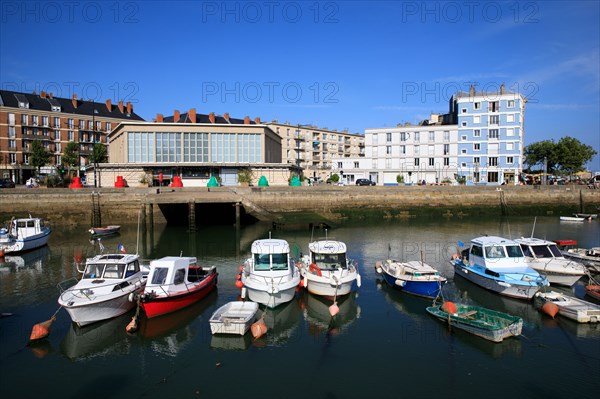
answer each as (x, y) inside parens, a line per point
(573, 308)
(233, 318)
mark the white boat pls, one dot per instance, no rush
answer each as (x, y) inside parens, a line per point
(24, 234)
(326, 270)
(105, 231)
(573, 308)
(590, 258)
(103, 291)
(270, 276)
(545, 257)
(233, 318)
(413, 277)
(574, 218)
(498, 264)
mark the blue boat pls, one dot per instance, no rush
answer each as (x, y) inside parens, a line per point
(498, 264)
(413, 277)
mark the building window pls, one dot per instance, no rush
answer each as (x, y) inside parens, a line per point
(388, 137)
(11, 131)
(12, 158)
(70, 123)
(494, 119)
(24, 119)
(388, 150)
(12, 144)
(510, 160)
(388, 163)
(446, 149)
(446, 135)
(476, 146)
(492, 177)
(374, 138)
(476, 161)
(45, 121)
(71, 135)
(493, 106)
(374, 163)
(464, 110)
(34, 120)
(463, 138)
(339, 164)
(356, 166)
(477, 119)
(510, 118)
(510, 132)
(57, 122)
(477, 105)
(416, 161)
(510, 146)
(431, 136)
(510, 104)
(463, 124)
(431, 150)
(402, 136)
(416, 150)
(463, 165)
(11, 119)
(493, 134)
(476, 133)
(57, 135)
(446, 161)
(493, 161)
(402, 149)
(431, 161)
(417, 137)
(463, 151)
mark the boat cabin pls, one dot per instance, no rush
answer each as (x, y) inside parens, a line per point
(112, 266)
(566, 244)
(270, 255)
(328, 255)
(26, 227)
(495, 250)
(539, 249)
(171, 273)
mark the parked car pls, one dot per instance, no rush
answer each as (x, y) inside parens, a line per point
(6, 183)
(364, 182)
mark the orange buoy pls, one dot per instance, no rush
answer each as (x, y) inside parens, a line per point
(241, 268)
(133, 325)
(41, 330)
(313, 268)
(258, 329)
(239, 277)
(449, 307)
(334, 309)
(239, 284)
(551, 309)
(301, 283)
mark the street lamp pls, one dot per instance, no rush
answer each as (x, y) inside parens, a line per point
(94, 147)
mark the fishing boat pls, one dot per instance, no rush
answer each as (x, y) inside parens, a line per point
(413, 277)
(104, 231)
(586, 215)
(23, 234)
(175, 282)
(573, 308)
(269, 276)
(103, 291)
(233, 318)
(498, 264)
(327, 271)
(590, 258)
(593, 291)
(482, 322)
(545, 257)
(574, 218)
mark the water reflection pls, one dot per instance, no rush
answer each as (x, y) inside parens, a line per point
(30, 261)
(315, 310)
(281, 322)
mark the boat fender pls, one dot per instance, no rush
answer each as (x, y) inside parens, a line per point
(400, 283)
(449, 307)
(378, 267)
(454, 256)
(239, 284)
(305, 283)
(358, 281)
(313, 268)
(243, 293)
(41, 330)
(334, 309)
(551, 309)
(258, 328)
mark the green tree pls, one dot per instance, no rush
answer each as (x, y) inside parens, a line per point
(39, 155)
(335, 178)
(573, 154)
(535, 154)
(70, 156)
(98, 154)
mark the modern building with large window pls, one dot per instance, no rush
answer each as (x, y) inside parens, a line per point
(195, 147)
(54, 121)
(479, 141)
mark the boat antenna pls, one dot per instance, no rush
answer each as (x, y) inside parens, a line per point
(137, 241)
(533, 229)
(421, 257)
(389, 250)
(326, 239)
(312, 233)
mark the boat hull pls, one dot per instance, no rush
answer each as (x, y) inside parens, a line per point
(593, 265)
(160, 305)
(233, 318)
(271, 299)
(571, 308)
(29, 243)
(514, 290)
(427, 289)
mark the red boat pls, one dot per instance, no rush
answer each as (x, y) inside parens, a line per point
(175, 283)
(593, 291)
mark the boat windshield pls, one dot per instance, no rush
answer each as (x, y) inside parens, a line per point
(514, 251)
(93, 270)
(104, 270)
(329, 261)
(264, 262)
(114, 271)
(494, 252)
(159, 276)
(541, 251)
(555, 251)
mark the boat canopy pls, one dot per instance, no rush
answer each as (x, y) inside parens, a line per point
(270, 246)
(327, 247)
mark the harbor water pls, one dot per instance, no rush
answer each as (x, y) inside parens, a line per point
(382, 344)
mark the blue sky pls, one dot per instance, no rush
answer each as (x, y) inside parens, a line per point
(337, 64)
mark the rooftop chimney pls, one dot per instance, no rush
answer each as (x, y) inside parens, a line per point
(211, 117)
(192, 115)
(50, 95)
(502, 88)
(120, 106)
(472, 90)
(129, 107)
(43, 94)
(226, 116)
(176, 116)
(74, 100)
(109, 105)
(159, 118)
(257, 120)
(246, 120)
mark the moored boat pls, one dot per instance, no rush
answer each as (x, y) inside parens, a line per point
(590, 258)
(233, 318)
(574, 218)
(174, 283)
(498, 264)
(413, 277)
(270, 276)
(485, 323)
(105, 231)
(102, 293)
(568, 306)
(23, 234)
(326, 270)
(545, 257)
(593, 291)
